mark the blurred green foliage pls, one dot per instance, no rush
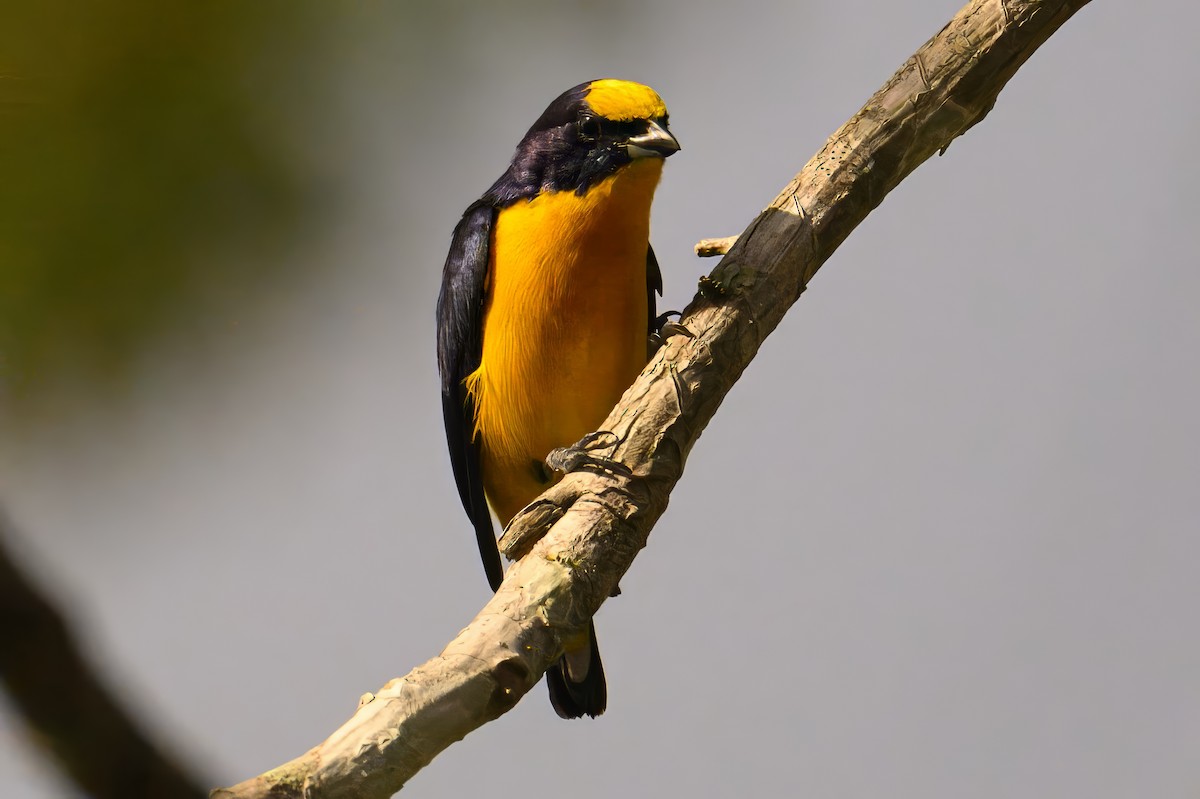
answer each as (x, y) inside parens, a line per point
(139, 141)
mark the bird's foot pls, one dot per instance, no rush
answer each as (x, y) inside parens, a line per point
(582, 455)
(712, 289)
(664, 329)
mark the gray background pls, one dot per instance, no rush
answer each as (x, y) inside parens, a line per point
(941, 540)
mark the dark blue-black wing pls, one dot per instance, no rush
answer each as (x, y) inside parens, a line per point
(459, 350)
(654, 288)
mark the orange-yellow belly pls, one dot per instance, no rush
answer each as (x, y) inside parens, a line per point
(564, 326)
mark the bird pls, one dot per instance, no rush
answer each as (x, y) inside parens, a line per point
(548, 296)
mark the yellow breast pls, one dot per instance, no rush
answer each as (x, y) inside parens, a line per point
(564, 325)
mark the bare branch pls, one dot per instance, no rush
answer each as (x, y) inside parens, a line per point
(67, 706)
(707, 248)
(577, 540)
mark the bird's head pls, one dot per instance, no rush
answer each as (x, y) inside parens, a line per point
(587, 133)
(623, 118)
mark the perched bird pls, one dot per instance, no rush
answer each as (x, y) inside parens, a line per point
(548, 295)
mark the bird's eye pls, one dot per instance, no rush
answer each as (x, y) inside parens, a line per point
(589, 128)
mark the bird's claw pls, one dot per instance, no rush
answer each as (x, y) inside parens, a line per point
(664, 329)
(580, 455)
(662, 319)
(675, 329)
(711, 288)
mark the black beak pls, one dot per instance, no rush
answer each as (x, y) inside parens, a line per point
(656, 142)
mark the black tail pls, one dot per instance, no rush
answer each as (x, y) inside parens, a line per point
(589, 696)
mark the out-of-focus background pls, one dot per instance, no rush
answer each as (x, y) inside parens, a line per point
(941, 540)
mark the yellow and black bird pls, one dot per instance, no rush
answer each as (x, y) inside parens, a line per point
(548, 295)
